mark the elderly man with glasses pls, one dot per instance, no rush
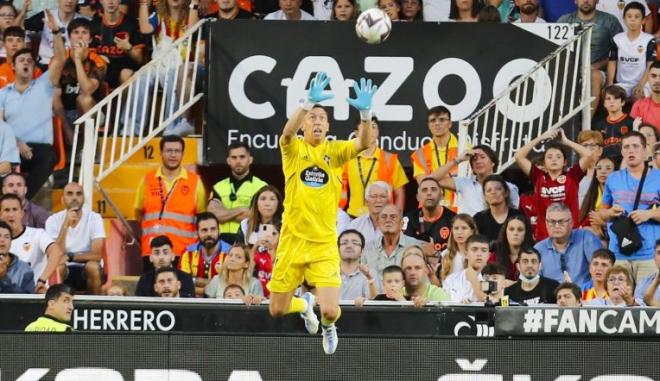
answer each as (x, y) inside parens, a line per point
(566, 253)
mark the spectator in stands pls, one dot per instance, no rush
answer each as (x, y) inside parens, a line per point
(589, 216)
(344, 10)
(411, 10)
(62, 16)
(649, 108)
(236, 269)
(529, 11)
(16, 276)
(650, 282)
(442, 149)
(553, 183)
(32, 245)
(14, 39)
(618, 8)
(388, 249)
(568, 295)
(34, 215)
(33, 126)
(489, 13)
(601, 261)
(619, 290)
(392, 8)
(59, 308)
(628, 67)
(464, 10)
(79, 232)
(483, 163)
(163, 257)
(416, 271)
(462, 228)
(616, 123)
(372, 164)
(431, 223)
(593, 141)
(231, 197)
(8, 18)
(201, 259)
(166, 283)
(393, 285)
(514, 236)
(618, 199)
(266, 207)
(357, 281)
(566, 253)
(465, 287)
(377, 195)
(498, 200)
(83, 73)
(436, 10)
(290, 11)
(118, 39)
(233, 291)
(168, 198)
(495, 273)
(322, 9)
(605, 28)
(531, 288)
(651, 136)
(229, 10)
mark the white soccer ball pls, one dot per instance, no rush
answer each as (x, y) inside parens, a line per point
(373, 26)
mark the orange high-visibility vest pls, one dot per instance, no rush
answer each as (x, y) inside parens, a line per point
(386, 167)
(175, 219)
(423, 157)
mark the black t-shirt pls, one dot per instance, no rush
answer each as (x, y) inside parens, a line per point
(487, 224)
(544, 292)
(613, 131)
(103, 35)
(145, 286)
(385, 298)
(438, 228)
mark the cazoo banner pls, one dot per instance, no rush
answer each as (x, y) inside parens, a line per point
(258, 72)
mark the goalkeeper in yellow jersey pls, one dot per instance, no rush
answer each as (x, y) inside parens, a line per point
(312, 168)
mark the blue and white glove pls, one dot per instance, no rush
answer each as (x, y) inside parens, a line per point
(364, 94)
(317, 93)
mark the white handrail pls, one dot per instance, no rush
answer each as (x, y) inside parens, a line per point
(505, 124)
(131, 116)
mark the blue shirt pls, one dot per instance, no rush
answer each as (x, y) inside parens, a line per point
(553, 9)
(30, 114)
(581, 245)
(8, 147)
(644, 285)
(620, 189)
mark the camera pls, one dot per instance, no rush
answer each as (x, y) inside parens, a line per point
(488, 286)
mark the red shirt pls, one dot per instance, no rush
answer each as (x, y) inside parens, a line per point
(263, 267)
(648, 110)
(563, 189)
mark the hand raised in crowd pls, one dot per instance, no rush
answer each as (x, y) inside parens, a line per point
(465, 156)
(550, 134)
(364, 269)
(49, 20)
(428, 248)
(27, 5)
(123, 43)
(641, 216)
(24, 150)
(637, 123)
(433, 271)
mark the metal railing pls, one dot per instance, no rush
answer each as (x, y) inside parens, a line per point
(131, 115)
(547, 96)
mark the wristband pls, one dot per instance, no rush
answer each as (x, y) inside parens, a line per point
(365, 115)
(41, 281)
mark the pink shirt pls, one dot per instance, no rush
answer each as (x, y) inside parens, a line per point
(648, 110)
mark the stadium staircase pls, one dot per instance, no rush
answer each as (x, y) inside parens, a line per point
(113, 159)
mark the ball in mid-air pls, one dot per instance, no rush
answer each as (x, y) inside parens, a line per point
(373, 26)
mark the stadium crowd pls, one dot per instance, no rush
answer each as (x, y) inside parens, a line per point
(588, 233)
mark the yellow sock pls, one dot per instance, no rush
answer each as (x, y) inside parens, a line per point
(297, 305)
(327, 323)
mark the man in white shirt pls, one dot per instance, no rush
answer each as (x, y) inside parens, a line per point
(31, 245)
(436, 10)
(483, 162)
(464, 286)
(376, 196)
(290, 11)
(79, 232)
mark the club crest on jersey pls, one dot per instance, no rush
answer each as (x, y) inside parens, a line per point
(326, 158)
(561, 179)
(640, 48)
(27, 246)
(314, 177)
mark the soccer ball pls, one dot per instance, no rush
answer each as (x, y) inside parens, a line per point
(373, 26)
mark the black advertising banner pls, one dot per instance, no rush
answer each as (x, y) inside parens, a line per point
(258, 73)
(177, 357)
(515, 321)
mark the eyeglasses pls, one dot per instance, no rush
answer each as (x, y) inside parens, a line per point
(350, 242)
(558, 222)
